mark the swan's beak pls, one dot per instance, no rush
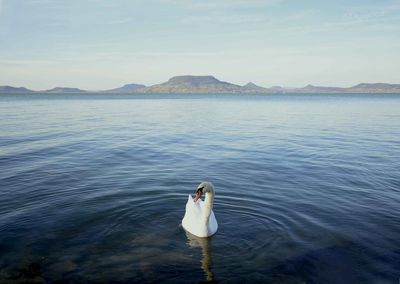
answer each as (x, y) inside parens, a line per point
(199, 192)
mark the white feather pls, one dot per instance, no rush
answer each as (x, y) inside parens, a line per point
(199, 218)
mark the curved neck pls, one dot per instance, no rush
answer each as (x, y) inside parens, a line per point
(208, 202)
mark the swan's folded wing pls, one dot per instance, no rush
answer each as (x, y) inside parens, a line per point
(193, 208)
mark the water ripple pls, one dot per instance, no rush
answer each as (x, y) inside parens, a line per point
(94, 188)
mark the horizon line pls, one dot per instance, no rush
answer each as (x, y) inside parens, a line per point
(188, 75)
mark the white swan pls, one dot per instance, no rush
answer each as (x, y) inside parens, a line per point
(199, 218)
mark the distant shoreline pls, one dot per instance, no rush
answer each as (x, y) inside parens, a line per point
(189, 84)
(94, 93)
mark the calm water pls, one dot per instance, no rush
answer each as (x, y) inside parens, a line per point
(93, 188)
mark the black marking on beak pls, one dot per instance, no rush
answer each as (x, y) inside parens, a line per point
(200, 189)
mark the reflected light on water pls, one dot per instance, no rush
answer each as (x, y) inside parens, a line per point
(205, 244)
(93, 188)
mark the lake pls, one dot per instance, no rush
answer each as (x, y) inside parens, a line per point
(93, 188)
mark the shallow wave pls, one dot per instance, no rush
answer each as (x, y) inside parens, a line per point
(94, 189)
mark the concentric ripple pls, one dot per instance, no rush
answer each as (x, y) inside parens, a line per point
(93, 188)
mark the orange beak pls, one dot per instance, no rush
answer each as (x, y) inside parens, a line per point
(198, 195)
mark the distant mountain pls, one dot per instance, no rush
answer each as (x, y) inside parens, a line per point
(278, 89)
(193, 84)
(375, 88)
(200, 84)
(253, 88)
(65, 90)
(318, 89)
(128, 88)
(210, 84)
(14, 90)
(360, 88)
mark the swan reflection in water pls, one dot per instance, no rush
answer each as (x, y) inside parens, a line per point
(206, 251)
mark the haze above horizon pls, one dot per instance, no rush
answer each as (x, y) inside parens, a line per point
(101, 44)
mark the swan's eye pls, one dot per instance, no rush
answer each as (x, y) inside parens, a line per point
(200, 189)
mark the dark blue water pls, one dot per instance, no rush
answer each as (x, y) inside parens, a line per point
(93, 188)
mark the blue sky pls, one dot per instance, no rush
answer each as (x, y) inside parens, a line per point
(97, 44)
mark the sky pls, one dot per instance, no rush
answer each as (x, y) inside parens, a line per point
(103, 44)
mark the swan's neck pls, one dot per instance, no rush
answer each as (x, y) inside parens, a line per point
(208, 202)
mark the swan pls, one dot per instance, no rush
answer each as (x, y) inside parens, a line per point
(199, 219)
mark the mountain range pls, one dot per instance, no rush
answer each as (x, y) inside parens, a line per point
(189, 84)
(128, 88)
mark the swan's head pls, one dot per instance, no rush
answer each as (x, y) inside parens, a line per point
(203, 188)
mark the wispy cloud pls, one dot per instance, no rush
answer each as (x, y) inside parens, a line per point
(274, 37)
(120, 21)
(234, 3)
(25, 62)
(350, 22)
(222, 3)
(224, 19)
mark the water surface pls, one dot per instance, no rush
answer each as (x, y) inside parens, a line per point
(93, 188)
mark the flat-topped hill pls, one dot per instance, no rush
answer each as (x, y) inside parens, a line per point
(199, 84)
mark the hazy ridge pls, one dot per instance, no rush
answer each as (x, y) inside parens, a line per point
(209, 84)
